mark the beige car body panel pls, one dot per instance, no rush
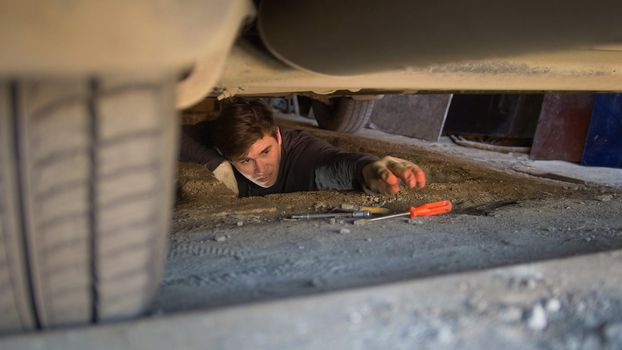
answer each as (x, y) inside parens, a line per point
(84, 38)
(250, 71)
(65, 38)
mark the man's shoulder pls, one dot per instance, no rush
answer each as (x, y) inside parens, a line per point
(293, 137)
(291, 132)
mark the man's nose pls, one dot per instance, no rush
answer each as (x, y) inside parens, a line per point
(259, 167)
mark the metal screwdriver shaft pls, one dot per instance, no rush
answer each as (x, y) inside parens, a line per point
(354, 214)
(365, 221)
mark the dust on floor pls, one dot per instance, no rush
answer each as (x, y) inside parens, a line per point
(226, 250)
(203, 202)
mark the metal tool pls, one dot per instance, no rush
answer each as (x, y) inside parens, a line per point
(354, 214)
(427, 209)
(373, 210)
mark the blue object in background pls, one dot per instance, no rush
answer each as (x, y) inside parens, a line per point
(603, 145)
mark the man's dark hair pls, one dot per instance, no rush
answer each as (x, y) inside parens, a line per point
(239, 125)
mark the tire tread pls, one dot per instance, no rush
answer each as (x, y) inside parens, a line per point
(102, 122)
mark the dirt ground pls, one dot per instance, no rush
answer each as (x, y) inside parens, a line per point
(227, 251)
(203, 202)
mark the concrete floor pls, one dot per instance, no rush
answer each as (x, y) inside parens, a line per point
(538, 272)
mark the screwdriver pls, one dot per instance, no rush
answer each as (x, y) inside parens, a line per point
(427, 209)
(354, 214)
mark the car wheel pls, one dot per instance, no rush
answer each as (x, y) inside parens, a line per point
(86, 190)
(343, 114)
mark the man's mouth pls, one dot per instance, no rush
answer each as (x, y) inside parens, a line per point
(263, 178)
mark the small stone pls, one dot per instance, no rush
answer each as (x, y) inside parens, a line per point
(537, 318)
(240, 223)
(445, 335)
(553, 305)
(220, 238)
(332, 221)
(315, 283)
(551, 229)
(605, 198)
(319, 206)
(593, 342)
(356, 317)
(613, 333)
(368, 240)
(301, 247)
(581, 307)
(531, 283)
(348, 207)
(481, 306)
(341, 222)
(157, 312)
(511, 314)
(344, 230)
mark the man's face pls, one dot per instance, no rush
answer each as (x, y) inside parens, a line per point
(260, 164)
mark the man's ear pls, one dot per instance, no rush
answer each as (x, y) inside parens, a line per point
(279, 139)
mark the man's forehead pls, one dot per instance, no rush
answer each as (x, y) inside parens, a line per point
(259, 146)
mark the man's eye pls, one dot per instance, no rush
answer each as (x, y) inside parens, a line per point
(244, 161)
(266, 151)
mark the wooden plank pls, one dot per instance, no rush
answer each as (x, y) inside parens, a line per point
(418, 116)
(562, 127)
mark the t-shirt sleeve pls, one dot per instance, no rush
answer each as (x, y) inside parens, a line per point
(333, 168)
(196, 148)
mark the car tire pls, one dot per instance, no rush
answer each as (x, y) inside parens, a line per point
(86, 195)
(343, 114)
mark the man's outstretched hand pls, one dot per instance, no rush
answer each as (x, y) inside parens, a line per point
(384, 175)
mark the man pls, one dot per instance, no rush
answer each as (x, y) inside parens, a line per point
(252, 156)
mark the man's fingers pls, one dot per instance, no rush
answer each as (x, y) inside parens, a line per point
(420, 175)
(384, 176)
(410, 174)
(400, 170)
(388, 182)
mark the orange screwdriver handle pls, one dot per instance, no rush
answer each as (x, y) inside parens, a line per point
(430, 209)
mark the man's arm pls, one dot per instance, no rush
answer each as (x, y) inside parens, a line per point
(194, 151)
(317, 165)
(339, 170)
(196, 148)
(335, 169)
